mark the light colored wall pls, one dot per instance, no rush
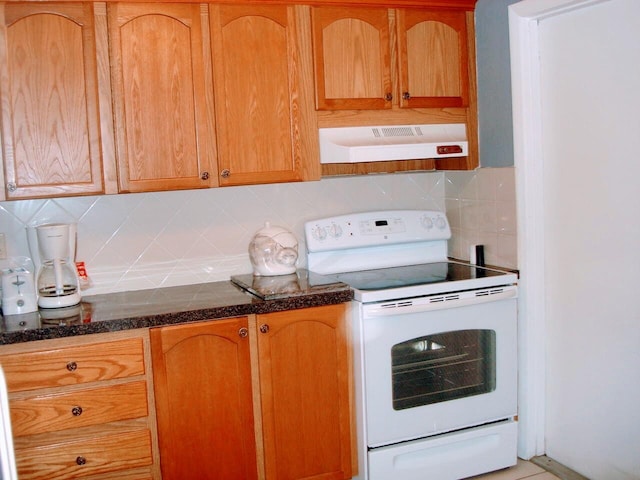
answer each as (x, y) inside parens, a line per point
(150, 240)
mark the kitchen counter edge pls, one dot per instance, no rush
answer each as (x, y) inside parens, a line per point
(165, 306)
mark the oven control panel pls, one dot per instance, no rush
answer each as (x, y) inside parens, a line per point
(368, 229)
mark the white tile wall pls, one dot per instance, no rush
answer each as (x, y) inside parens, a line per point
(481, 208)
(138, 241)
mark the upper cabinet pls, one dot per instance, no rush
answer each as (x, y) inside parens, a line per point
(396, 66)
(111, 97)
(433, 59)
(265, 119)
(354, 65)
(352, 58)
(162, 96)
(52, 143)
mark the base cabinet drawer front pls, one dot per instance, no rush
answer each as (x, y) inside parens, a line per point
(87, 456)
(73, 365)
(82, 408)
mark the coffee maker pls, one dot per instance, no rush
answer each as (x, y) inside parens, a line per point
(53, 249)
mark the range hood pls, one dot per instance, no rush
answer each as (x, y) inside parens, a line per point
(392, 142)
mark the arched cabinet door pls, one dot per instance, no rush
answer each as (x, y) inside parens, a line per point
(162, 105)
(352, 58)
(433, 58)
(50, 115)
(202, 383)
(305, 393)
(263, 77)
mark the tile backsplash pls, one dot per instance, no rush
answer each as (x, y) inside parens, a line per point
(149, 240)
(481, 208)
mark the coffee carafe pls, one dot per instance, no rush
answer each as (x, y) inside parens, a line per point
(53, 248)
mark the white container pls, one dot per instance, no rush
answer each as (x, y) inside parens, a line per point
(18, 288)
(273, 251)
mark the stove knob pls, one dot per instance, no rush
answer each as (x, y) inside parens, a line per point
(319, 233)
(335, 230)
(427, 222)
(441, 223)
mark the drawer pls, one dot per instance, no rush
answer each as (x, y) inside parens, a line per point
(81, 408)
(73, 365)
(77, 459)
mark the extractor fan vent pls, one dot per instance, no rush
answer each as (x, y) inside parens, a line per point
(380, 132)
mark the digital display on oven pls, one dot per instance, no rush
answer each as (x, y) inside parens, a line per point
(378, 227)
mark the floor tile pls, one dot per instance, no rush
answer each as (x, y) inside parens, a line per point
(521, 470)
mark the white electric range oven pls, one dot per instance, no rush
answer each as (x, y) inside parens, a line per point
(434, 346)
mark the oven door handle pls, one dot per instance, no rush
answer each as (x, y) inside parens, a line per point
(439, 302)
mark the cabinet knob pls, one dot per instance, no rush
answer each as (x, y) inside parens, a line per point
(406, 95)
(205, 176)
(81, 460)
(264, 328)
(76, 411)
(243, 332)
(388, 97)
(71, 366)
(12, 187)
(226, 173)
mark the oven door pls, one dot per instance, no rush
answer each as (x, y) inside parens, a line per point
(433, 371)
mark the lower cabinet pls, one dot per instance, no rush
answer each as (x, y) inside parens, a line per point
(82, 407)
(202, 378)
(265, 396)
(255, 397)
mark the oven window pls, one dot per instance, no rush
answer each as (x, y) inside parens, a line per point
(442, 367)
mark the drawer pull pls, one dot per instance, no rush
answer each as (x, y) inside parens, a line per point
(71, 366)
(81, 460)
(76, 411)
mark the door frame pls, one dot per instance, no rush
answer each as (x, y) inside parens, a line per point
(524, 25)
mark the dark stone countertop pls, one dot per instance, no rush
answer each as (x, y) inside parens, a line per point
(172, 305)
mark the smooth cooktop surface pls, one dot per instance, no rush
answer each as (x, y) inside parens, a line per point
(415, 275)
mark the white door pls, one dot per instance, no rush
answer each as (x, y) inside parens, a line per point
(576, 71)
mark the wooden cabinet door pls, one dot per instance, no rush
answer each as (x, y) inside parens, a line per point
(162, 102)
(433, 59)
(51, 140)
(304, 384)
(202, 382)
(265, 120)
(352, 58)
